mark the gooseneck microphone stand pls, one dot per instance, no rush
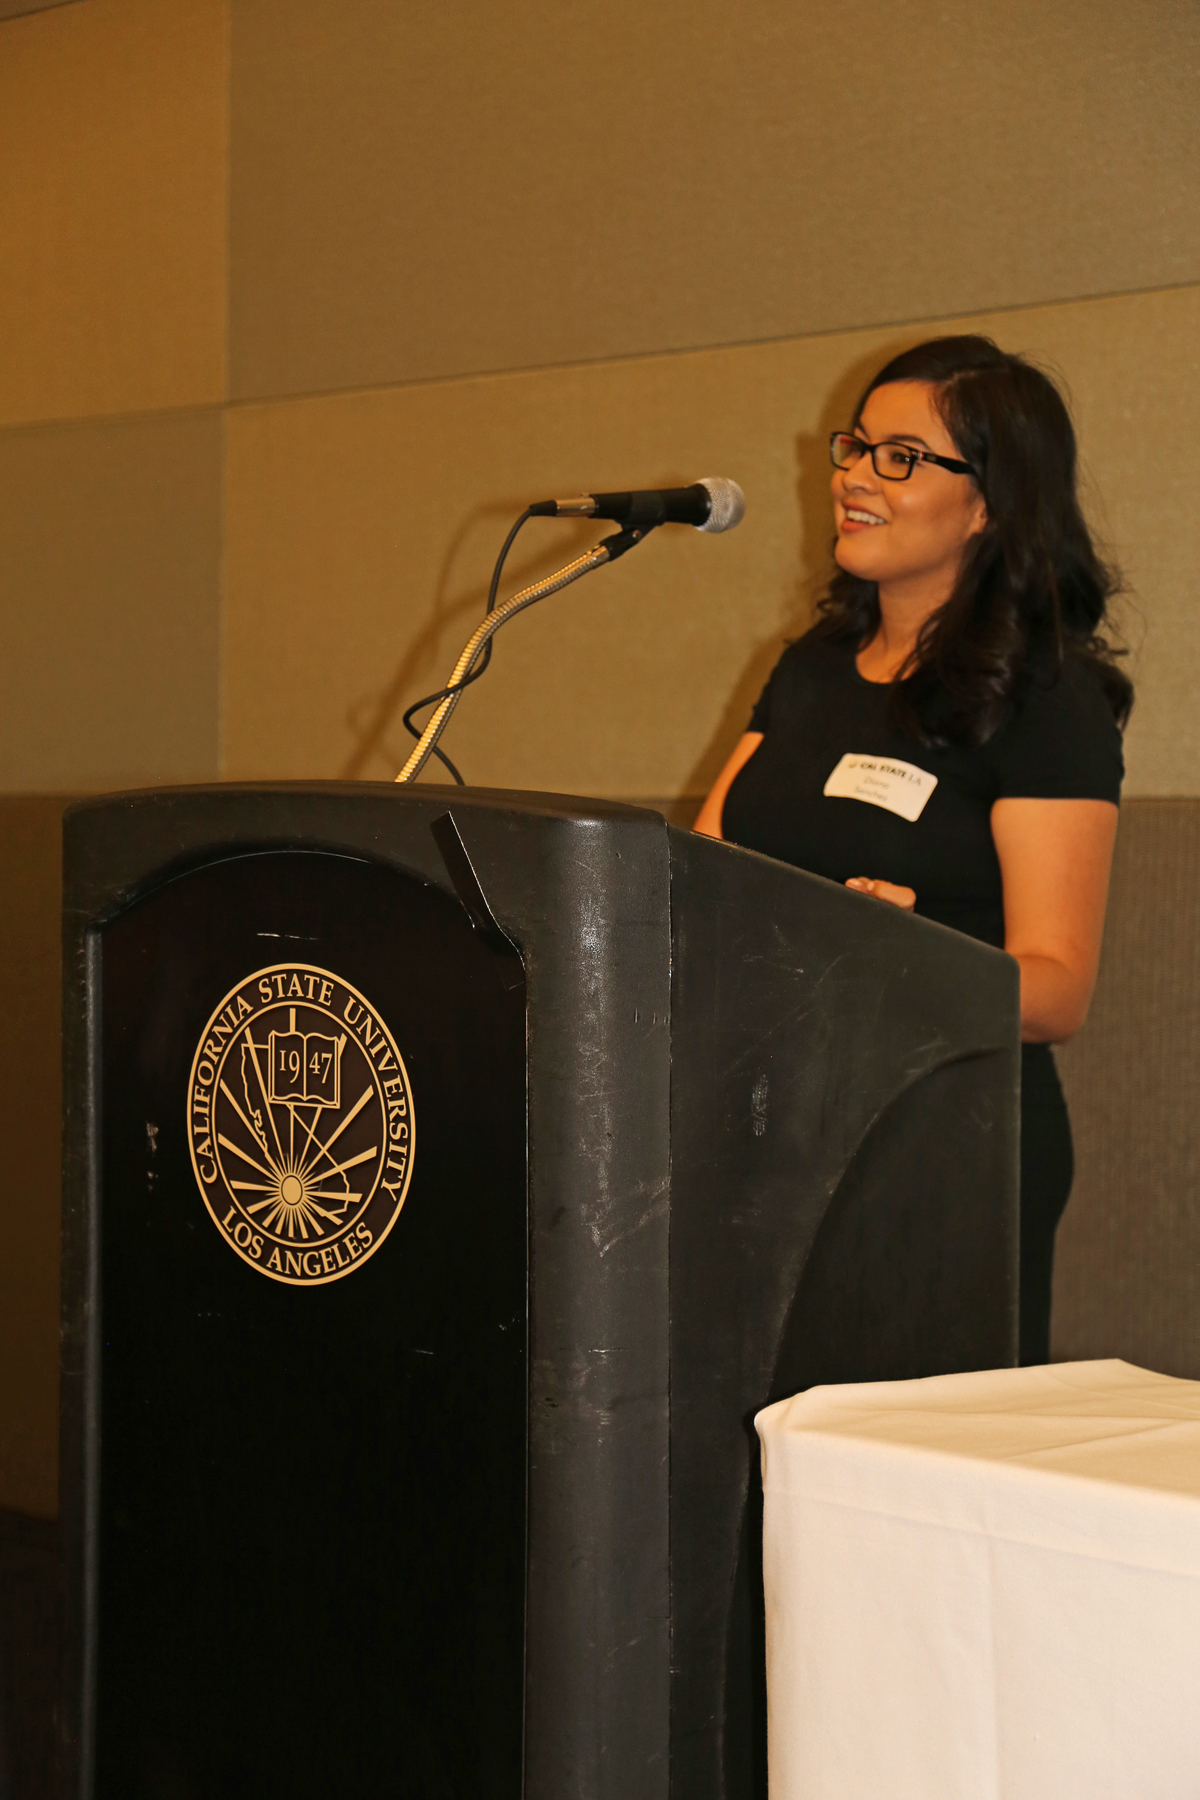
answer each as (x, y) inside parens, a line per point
(606, 551)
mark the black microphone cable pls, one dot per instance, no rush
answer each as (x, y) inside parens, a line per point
(721, 500)
(485, 659)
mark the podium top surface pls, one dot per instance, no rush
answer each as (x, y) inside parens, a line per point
(117, 846)
(519, 800)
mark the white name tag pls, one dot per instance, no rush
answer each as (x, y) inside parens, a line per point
(896, 786)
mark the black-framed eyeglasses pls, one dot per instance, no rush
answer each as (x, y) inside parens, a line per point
(893, 462)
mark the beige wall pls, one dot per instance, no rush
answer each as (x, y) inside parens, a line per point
(111, 535)
(113, 133)
(301, 300)
(422, 191)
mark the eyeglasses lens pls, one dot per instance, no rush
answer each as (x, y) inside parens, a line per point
(894, 462)
(845, 450)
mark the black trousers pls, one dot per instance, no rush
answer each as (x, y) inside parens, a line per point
(1047, 1167)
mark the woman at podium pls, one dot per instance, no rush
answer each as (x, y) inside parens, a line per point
(947, 736)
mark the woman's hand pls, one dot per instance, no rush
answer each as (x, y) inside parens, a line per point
(902, 897)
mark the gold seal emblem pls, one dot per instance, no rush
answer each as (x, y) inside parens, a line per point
(300, 1124)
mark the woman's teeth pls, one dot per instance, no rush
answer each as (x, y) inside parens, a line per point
(863, 518)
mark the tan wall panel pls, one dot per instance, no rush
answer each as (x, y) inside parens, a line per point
(110, 546)
(1127, 1266)
(13, 9)
(30, 1092)
(421, 192)
(113, 135)
(1134, 369)
(361, 531)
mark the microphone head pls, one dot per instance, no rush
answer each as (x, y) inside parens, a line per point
(728, 504)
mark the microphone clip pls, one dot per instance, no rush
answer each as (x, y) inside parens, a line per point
(618, 542)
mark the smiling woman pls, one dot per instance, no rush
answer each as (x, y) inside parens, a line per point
(947, 737)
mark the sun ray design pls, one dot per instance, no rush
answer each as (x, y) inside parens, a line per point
(224, 1141)
(351, 1162)
(292, 1200)
(323, 1149)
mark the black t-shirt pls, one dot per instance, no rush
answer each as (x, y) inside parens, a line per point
(1062, 744)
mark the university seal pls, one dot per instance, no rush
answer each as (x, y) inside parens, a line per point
(300, 1124)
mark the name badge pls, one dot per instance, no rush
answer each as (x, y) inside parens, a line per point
(898, 787)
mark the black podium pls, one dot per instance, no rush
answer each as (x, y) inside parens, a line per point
(450, 1175)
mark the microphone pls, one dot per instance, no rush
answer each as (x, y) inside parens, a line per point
(713, 504)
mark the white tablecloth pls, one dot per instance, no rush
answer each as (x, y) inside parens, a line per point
(985, 1587)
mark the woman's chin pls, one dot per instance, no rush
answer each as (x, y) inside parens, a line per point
(850, 554)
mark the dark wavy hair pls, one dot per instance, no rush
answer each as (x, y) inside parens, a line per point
(1033, 590)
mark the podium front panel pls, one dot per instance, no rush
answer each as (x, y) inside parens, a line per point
(312, 1474)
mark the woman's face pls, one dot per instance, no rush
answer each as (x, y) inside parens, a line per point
(908, 536)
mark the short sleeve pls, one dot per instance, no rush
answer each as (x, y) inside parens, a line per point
(1063, 744)
(781, 684)
(761, 716)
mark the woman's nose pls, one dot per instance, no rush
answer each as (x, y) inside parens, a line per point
(860, 476)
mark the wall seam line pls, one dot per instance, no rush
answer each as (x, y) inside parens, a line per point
(235, 404)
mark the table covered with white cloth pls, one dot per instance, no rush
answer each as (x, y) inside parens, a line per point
(985, 1587)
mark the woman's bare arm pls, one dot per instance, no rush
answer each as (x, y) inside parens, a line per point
(1055, 858)
(708, 819)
